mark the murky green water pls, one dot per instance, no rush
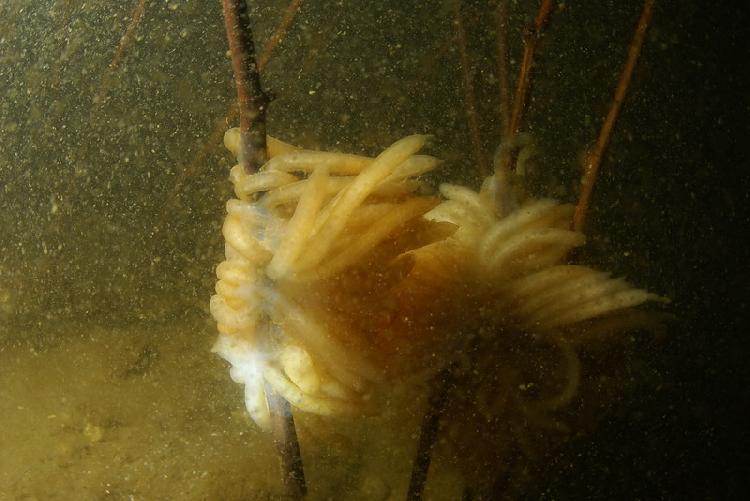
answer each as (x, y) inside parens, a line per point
(112, 186)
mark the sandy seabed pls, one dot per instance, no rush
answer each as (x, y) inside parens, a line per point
(146, 412)
(134, 413)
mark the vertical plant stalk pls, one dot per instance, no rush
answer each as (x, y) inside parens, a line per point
(523, 84)
(438, 401)
(530, 40)
(125, 41)
(287, 445)
(252, 101)
(470, 100)
(214, 137)
(279, 33)
(594, 156)
(444, 380)
(503, 74)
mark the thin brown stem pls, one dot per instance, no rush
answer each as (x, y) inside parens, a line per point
(505, 165)
(253, 103)
(503, 76)
(523, 84)
(125, 41)
(470, 101)
(530, 39)
(287, 444)
(438, 401)
(214, 137)
(252, 100)
(594, 155)
(279, 33)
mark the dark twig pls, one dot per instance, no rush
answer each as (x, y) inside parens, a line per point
(214, 137)
(428, 432)
(503, 76)
(253, 103)
(125, 41)
(470, 100)
(530, 39)
(287, 444)
(594, 156)
(523, 84)
(279, 33)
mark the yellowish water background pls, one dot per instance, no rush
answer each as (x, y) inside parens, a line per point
(110, 231)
